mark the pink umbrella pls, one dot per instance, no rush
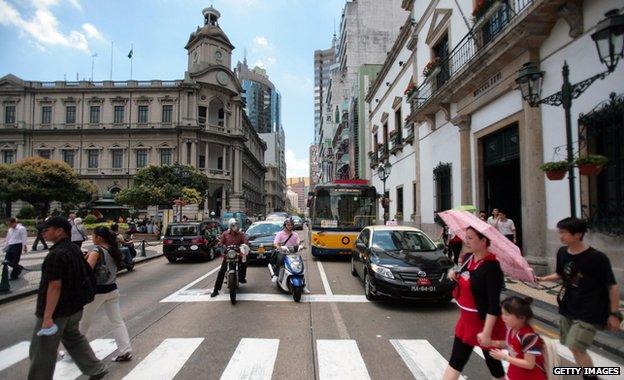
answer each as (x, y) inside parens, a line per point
(507, 253)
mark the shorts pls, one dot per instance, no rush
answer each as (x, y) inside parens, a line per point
(577, 335)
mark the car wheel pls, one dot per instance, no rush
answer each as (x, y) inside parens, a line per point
(353, 271)
(368, 288)
(211, 254)
(171, 259)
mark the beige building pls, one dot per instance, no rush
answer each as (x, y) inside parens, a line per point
(108, 130)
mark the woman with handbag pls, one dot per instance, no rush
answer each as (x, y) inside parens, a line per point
(105, 260)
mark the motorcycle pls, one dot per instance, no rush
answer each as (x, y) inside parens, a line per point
(233, 253)
(129, 252)
(291, 276)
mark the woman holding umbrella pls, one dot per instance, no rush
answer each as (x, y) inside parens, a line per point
(479, 284)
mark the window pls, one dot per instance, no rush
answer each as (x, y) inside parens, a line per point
(70, 115)
(385, 136)
(45, 153)
(414, 189)
(220, 163)
(165, 156)
(375, 142)
(68, 157)
(188, 152)
(143, 114)
(441, 52)
(94, 114)
(202, 161)
(397, 124)
(442, 180)
(92, 162)
(119, 115)
(7, 156)
(167, 113)
(9, 114)
(46, 114)
(201, 112)
(365, 236)
(399, 203)
(141, 157)
(117, 158)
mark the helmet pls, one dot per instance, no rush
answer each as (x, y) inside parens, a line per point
(233, 224)
(288, 220)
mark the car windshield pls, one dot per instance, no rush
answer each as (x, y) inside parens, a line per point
(402, 240)
(344, 208)
(182, 230)
(264, 229)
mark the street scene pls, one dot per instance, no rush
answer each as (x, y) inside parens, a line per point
(342, 189)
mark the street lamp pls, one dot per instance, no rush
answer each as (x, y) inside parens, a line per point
(609, 39)
(383, 171)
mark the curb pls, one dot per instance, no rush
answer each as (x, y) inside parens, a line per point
(548, 314)
(27, 293)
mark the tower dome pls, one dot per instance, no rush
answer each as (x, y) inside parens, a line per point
(211, 16)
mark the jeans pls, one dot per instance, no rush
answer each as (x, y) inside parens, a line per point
(242, 272)
(39, 239)
(110, 303)
(43, 349)
(13, 255)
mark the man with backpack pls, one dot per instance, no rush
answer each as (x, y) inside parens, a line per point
(589, 298)
(67, 285)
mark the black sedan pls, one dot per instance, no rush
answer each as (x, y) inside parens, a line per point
(261, 236)
(189, 240)
(401, 262)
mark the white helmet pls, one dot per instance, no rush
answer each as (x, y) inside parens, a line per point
(233, 224)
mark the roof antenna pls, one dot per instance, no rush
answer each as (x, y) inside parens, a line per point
(245, 57)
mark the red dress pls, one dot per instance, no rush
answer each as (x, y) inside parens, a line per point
(469, 323)
(525, 341)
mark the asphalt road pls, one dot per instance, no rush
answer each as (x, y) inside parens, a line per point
(178, 331)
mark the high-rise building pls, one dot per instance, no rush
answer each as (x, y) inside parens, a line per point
(323, 61)
(314, 165)
(300, 186)
(262, 100)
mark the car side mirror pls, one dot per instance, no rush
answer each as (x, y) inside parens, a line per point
(360, 246)
(440, 245)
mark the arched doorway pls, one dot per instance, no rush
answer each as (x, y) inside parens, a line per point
(216, 112)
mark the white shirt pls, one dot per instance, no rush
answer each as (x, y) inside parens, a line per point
(492, 220)
(506, 227)
(17, 235)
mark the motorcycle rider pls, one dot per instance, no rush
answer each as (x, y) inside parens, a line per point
(232, 236)
(288, 238)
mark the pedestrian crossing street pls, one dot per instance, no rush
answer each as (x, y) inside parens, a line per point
(255, 358)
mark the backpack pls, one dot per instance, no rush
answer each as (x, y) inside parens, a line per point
(101, 272)
(551, 358)
(83, 292)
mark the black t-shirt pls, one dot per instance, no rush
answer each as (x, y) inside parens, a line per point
(587, 277)
(63, 262)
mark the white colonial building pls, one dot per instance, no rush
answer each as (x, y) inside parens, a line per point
(476, 141)
(108, 130)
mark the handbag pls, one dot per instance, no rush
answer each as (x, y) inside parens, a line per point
(101, 271)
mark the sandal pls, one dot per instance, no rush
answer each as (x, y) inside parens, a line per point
(123, 358)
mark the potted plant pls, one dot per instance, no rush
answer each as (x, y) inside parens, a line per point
(431, 68)
(555, 171)
(409, 91)
(591, 164)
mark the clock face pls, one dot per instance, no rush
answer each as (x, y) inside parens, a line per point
(218, 55)
(223, 78)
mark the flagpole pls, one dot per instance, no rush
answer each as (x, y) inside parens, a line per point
(131, 58)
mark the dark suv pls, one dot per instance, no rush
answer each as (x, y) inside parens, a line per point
(191, 239)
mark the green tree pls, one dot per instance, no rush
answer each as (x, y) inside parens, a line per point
(40, 181)
(161, 185)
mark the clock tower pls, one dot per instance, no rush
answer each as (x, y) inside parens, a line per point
(209, 45)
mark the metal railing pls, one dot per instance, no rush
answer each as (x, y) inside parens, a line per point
(20, 125)
(107, 83)
(471, 45)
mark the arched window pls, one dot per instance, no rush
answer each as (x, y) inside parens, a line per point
(216, 113)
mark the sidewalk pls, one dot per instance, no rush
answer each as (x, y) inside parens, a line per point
(546, 310)
(28, 283)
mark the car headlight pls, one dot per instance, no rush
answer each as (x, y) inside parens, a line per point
(231, 254)
(382, 271)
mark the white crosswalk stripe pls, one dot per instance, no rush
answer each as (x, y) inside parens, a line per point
(422, 359)
(14, 354)
(253, 359)
(340, 359)
(66, 369)
(166, 360)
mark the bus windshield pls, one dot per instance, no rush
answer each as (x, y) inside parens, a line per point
(344, 208)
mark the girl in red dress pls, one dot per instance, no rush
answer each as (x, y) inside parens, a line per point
(479, 284)
(526, 361)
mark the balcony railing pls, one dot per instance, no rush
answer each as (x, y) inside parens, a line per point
(99, 126)
(485, 30)
(374, 161)
(396, 141)
(106, 83)
(383, 152)
(409, 138)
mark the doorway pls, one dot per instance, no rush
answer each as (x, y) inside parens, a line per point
(501, 175)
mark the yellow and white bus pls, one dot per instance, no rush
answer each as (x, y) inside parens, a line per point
(338, 212)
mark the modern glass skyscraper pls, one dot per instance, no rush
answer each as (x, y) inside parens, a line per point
(263, 101)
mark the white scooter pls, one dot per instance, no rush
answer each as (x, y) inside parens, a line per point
(291, 276)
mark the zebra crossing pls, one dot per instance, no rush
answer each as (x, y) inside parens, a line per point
(255, 358)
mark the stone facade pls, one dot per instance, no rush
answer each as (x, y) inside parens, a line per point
(108, 130)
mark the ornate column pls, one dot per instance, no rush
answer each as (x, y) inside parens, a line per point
(463, 123)
(223, 160)
(193, 154)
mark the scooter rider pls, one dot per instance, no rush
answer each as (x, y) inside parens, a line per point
(233, 236)
(286, 237)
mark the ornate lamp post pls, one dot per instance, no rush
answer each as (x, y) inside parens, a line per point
(609, 39)
(383, 171)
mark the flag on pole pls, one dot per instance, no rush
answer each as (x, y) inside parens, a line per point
(130, 53)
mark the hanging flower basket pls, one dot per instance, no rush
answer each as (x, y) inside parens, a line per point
(432, 68)
(555, 171)
(409, 91)
(591, 164)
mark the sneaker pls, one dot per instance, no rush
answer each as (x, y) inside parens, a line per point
(306, 290)
(123, 358)
(62, 354)
(242, 281)
(99, 375)
(214, 293)
(274, 279)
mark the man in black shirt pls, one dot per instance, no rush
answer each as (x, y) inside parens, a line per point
(589, 298)
(60, 300)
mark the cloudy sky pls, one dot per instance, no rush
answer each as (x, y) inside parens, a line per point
(55, 39)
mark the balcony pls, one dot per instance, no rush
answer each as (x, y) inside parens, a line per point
(383, 152)
(396, 142)
(374, 161)
(218, 174)
(505, 30)
(409, 138)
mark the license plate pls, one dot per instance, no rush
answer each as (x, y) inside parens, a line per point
(260, 256)
(181, 249)
(423, 288)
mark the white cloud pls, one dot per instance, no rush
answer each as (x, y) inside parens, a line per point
(296, 167)
(43, 27)
(264, 51)
(261, 41)
(92, 32)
